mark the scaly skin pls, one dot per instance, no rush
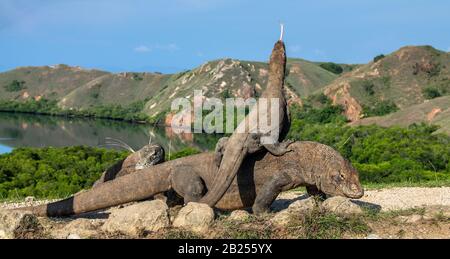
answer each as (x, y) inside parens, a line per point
(260, 179)
(146, 157)
(244, 141)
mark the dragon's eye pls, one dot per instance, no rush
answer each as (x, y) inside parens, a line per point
(342, 176)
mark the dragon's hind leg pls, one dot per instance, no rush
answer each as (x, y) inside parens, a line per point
(188, 185)
(270, 191)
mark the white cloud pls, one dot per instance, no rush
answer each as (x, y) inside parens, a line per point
(142, 49)
(320, 54)
(295, 48)
(172, 47)
(169, 47)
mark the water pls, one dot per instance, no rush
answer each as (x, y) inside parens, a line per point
(24, 130)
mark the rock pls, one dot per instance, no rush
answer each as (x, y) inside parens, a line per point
(298, 208)
(439, 213)
(81, 228)
(302, 206)
(134, 220)
(410, 219)
(73, 236)
(239, 216)
(373, 236)
(18, 224)
(30, 199)
(282, 218)
(341, 205)
(195, 217)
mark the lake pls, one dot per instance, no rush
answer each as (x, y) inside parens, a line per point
(26, 130)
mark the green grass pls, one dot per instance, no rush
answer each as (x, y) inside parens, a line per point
(322, 225)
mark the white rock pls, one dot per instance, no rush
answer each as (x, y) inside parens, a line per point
(410, 219)
(341, 205)
(239, 216)
(30, 199)
(83, 228)
(373, 236)
(282, 218)
(298, 208)
(135, 219)
(302, 206)
(15, 223)
(196, 217)
(73, 236)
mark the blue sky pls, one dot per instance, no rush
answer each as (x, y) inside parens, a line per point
(173, 35)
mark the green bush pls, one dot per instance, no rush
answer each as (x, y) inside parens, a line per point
(52, 172)
(131, 112)
(384, 155)
(183, 153)
(332, 67)
(15, 86)
(380, 109)
(431, 93)
(378, 58)
(369, 87)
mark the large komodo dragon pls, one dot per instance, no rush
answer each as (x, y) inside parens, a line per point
(248, 136)
(259, 181)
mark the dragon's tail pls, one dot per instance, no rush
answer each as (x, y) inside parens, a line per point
(133, 187)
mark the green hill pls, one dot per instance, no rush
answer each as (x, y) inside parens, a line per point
(436, 112)
(401, 83)
(79, 89)
(404, 78)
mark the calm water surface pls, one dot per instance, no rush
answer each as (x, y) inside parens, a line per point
(24, 130)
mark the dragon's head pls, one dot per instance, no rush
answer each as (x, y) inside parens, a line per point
(150, 155)
(337, 177)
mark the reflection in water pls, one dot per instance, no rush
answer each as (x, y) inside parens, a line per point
(4, 149)
(24, 130)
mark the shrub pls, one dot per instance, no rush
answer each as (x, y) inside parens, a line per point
(369, 87)
(384, 155)
(183, 153)
(378, 58)
(431, 93)
(52, 172)
(15, 86)
(380, 109)
(332, 67)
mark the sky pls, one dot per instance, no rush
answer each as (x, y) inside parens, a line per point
(174, 35)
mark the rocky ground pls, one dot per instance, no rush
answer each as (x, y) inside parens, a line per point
(387, 213)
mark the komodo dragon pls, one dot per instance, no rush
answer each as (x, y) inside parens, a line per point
(248, 137)
(260, 179)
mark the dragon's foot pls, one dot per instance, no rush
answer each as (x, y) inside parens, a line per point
(280, 149)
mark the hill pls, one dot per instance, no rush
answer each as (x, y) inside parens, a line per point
(404, 78)
(436, 112)
(78, 89)
(401, 83)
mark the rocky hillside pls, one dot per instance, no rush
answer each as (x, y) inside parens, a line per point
(404, 78)
(435, 112)
(403, 81)
(77, 88)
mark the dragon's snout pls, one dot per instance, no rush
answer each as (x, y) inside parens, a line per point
(354, 191)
